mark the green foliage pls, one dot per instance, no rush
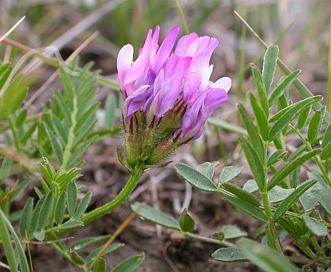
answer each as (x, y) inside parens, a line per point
(241, 194)
(84, 243)
(265, 258)
(315, 226)
(228, 173)
(186, 222)
(108, 250)
(232, 232)
(290, 167)
(21, 260)
(157, 217)
(228, 255)
(284, 117)
(110, 111)
(130, 264)
(100, 265)
(208, 169)
(287, 202)
(250, 209)
(12, 91)
(69, 125)
(196, 178)
(269, 66)
(60, 196)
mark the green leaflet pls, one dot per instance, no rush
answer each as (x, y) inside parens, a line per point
(26, 218)
(60, 208)
(242, 194)
(111, 248)
(252, 131)
(208, 169)
(264, 257)
(228, 255)
(280, 89)
(255, 164)
(195, 178)
(251, 210)
(83, 204)
(154, 216)
(261, 118)
(228, 173)
(269, 66)
(315, 226)
(286, 203)
(315, 126)
(131, 264)
(260, 88)
(285, 116)
(72, 198)
(186, 222)
(289, 167)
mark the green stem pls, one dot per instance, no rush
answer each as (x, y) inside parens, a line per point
(221, 147)
(209, 240)
(273, 241)
(266, 204)
(317, 247)
(63, 252)
(328, 97)
(226, 126)
(272, 238)
(4, 234)
(118, 200)
(71, 135)
(181, 14)
(241, 73)
(108, 207)
(316, 159)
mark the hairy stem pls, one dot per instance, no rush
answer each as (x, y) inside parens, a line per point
(118, 200)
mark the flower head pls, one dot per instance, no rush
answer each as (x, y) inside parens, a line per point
(168, 96)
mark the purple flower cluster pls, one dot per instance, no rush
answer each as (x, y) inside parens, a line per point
(170, 91)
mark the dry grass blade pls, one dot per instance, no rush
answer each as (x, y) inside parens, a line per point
(22, 159)
(300, 86)
(11, 30)
(4, 266)
(11, 191)
(77, 29)
(113, 237)
(55, 74)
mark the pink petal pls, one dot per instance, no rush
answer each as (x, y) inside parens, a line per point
(191, 119)
(184, 42)
(124, 61)
(136, 100)
(140, 66)
(155, 42)
(214, 98)
(165, 49)
(223, 83)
